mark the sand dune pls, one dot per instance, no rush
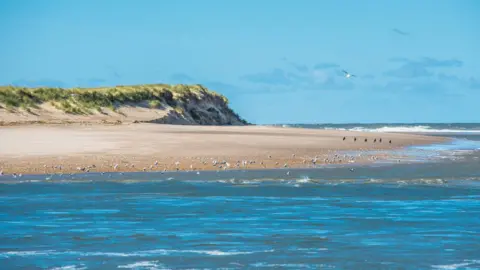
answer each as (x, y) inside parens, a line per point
(148, 103)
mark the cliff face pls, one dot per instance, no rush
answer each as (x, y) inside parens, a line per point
(164, 104)
(204, 109)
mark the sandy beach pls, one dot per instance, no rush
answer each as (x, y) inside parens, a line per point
(36, 149)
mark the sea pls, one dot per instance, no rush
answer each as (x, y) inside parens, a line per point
(421, 213)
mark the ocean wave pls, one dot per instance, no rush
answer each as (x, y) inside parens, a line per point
(145, 253)
(466, 263)
(404, 128)
(411, 129)
(305, 181)
(143, 265)
(291, 265)
(454, 147)
(26, 253)
(70, 267)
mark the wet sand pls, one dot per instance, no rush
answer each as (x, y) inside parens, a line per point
(37, 149)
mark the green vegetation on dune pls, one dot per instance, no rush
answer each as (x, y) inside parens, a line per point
(192, 104)
(85, 100)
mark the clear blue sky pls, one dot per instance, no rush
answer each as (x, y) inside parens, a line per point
(277, 61)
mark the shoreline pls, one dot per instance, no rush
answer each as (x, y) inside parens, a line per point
(54, 149)
(360, 172)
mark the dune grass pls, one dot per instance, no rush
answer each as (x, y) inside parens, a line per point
(154, 104)
(85, 100)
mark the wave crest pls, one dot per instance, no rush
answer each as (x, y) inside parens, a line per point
(412, 129)
(146, 253)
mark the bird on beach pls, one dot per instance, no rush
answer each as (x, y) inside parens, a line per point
(348, 75)
(355, 139)
(366, 140)
(344, 138)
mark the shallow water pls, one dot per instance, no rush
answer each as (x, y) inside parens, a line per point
(197, 224)
(388, 216)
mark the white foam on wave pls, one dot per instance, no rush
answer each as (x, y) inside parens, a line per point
(304, 179)
(152, 265)
(409, 129)
(466, 263)
(290, 265)
(393, 129)
(146, 253)
(26, 253)
(70, 267)
(217, 252)
(454, 145)
(56, 213)
(454, 149)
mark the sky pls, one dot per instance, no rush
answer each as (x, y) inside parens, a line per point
(276, 61)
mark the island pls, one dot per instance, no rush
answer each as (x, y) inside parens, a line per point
(160, 127)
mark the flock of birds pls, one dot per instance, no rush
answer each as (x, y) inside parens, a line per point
(224, 165)
(366, 140)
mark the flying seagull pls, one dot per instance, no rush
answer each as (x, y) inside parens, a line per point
(348, 75)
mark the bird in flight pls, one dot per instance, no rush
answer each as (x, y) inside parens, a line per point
(348, 75)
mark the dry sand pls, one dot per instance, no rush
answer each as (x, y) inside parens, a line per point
(46, 113)
(37, 149)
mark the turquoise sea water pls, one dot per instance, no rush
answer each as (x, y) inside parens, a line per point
(419, 215)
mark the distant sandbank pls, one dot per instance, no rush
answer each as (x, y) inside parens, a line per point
(37, 149)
